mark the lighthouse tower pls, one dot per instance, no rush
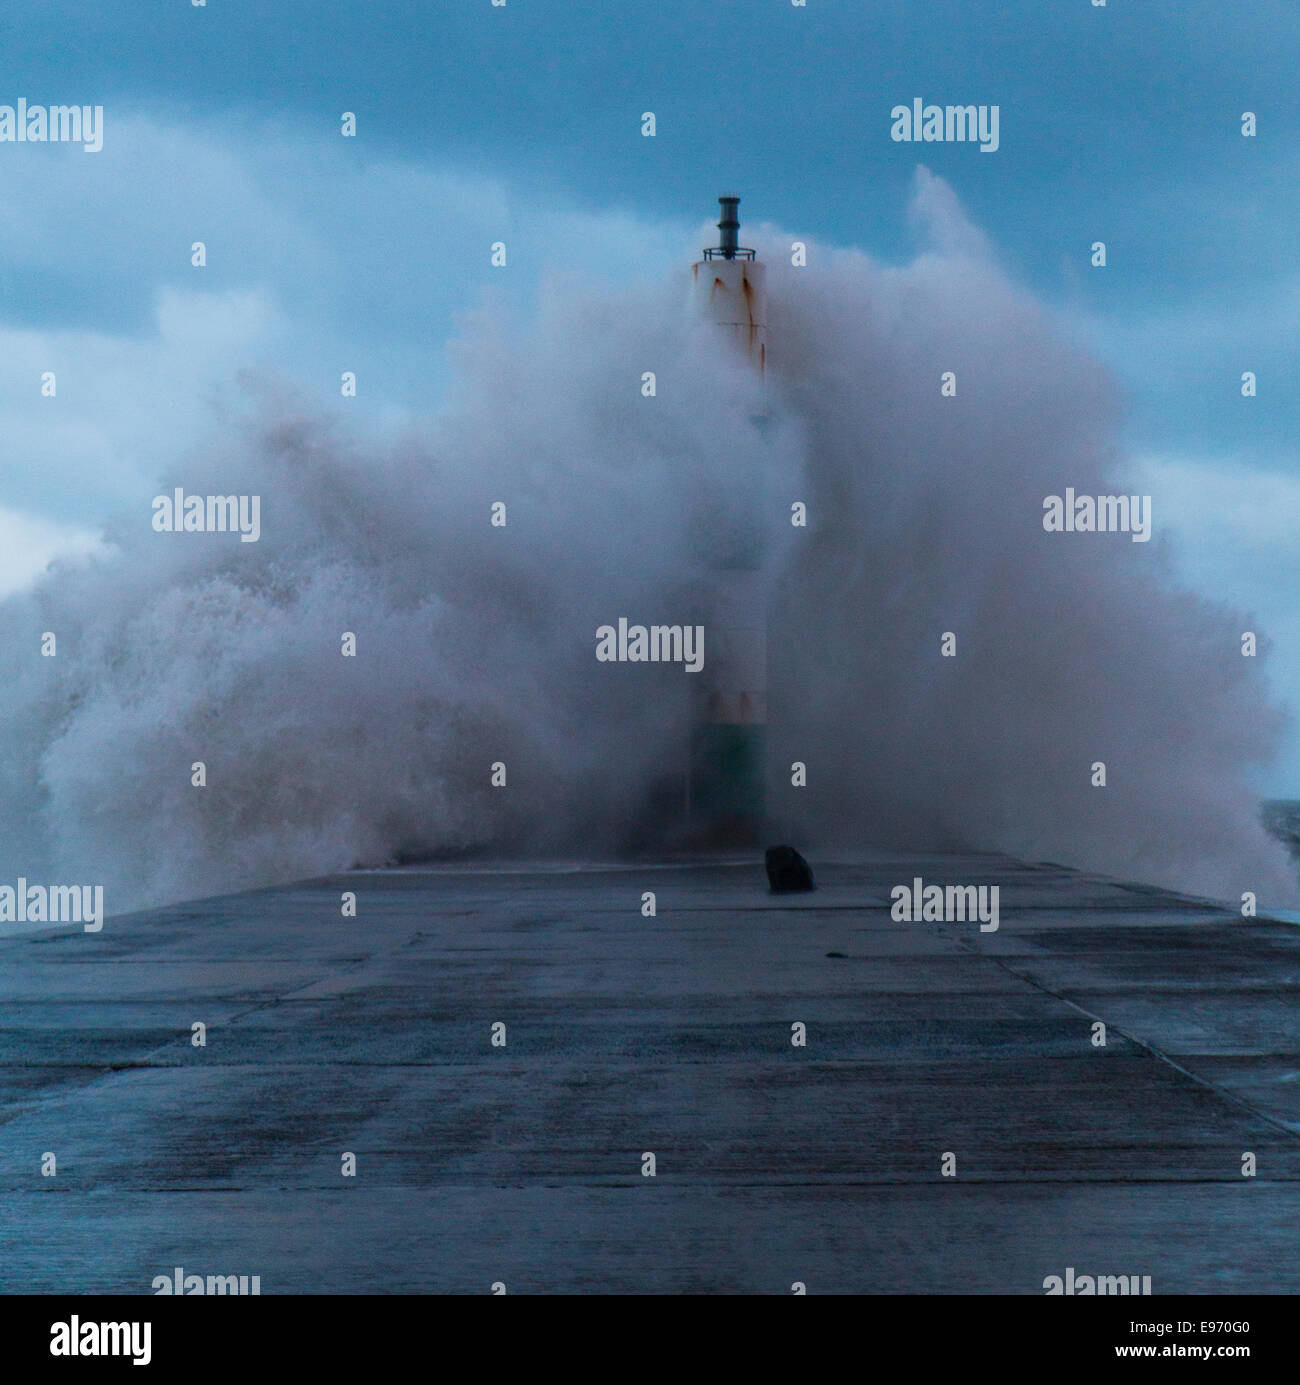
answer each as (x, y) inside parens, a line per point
(726, 790)
(730, 288)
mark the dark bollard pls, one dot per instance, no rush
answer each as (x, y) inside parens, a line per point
(787, 871)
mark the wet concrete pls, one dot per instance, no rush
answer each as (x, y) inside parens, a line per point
(628, 1035)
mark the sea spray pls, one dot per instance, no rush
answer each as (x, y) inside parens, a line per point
(474, 640)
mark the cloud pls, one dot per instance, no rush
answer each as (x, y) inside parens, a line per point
(937, 213)
(125, 405)
(1234, 532)
(318, 262)
(29, 544)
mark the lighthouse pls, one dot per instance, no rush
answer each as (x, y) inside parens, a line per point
(726, 789)
(730, 288)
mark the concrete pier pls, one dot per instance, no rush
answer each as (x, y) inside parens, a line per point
(671, 1035)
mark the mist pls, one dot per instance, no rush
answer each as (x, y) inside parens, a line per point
(476, 644)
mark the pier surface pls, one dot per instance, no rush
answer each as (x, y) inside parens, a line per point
(670, 1035)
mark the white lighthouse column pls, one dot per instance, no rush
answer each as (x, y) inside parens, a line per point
(732, 294)
(727, 789)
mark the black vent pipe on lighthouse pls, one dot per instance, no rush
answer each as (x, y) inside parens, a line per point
(729, 226)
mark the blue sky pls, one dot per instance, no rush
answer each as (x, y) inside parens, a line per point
(475, 122)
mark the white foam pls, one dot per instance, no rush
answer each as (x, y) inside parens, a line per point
(476, 644)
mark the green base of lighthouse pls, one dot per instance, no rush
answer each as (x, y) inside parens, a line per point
(728, 788)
